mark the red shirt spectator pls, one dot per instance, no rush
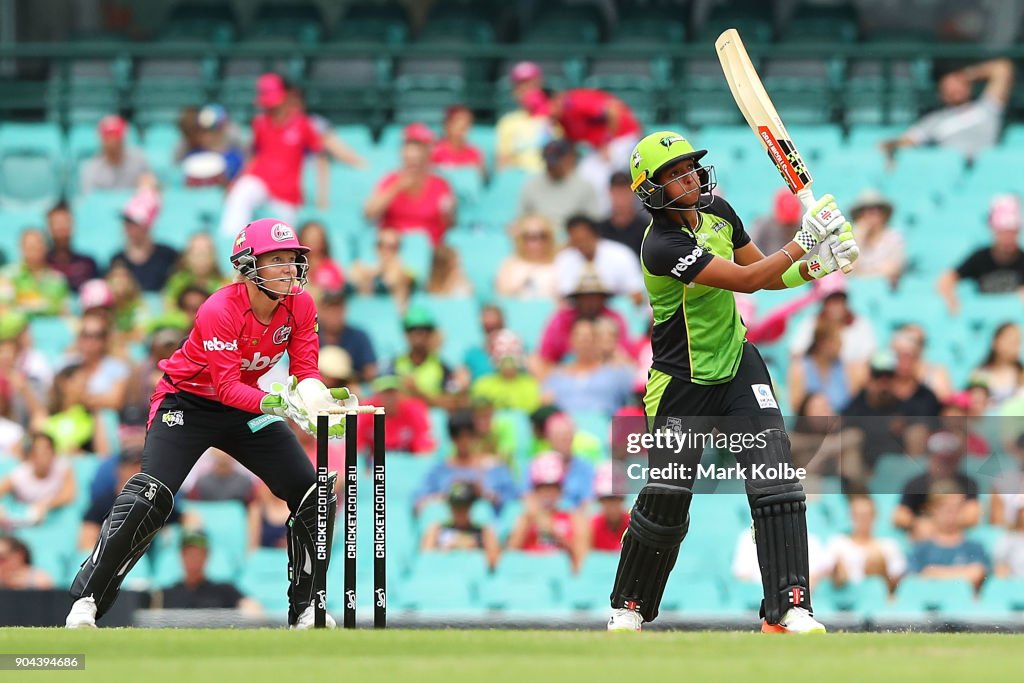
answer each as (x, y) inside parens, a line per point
(593, 116)
(279, 148)
(606, 535)
(408, 421)
(454, 149)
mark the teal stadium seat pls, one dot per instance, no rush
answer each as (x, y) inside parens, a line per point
(436, 593)
(265, 578)
(29, 178)
(482, 255)
(917, 594)
(527, 317)
(893, 471)
(466, 565)
(1003, 594)
(458, 321)
(379, 317)
(51, 336)
(519, 594)
(850, 597)
(521, 564)
(222, 522)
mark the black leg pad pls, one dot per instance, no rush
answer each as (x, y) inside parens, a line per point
(309, 548)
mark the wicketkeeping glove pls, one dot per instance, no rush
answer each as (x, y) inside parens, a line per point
(820, 221)
(285, 401)
(834, 249)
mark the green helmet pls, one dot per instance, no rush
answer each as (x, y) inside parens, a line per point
(655, 152)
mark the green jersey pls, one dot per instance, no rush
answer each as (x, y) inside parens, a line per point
(698, 335)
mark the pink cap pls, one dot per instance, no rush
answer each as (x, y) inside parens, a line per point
(418, 132)
(95, 293)
(266, 234)
(604, 480)
(1004, 213)
(112, 126)
(536, 102)
(270, 90)
(787, 207)
(524, 71)
(547, 468)
(143, 208)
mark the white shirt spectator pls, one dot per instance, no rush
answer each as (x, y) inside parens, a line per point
(28, 488)
(854, 557)
(99, 174)
(745, 566)
(615, 263)
(968, 128)
(1009, 550)
(859, 341)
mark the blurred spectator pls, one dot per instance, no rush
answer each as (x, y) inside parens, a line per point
(189, 301)
(510, 386)
(962, 124)
(626, 224)
(281, 136)
(544, 526)
(30, 285)
(11, 432)
(496, 434)
(578, 471)
(589, 301)
(324, 272)
(954, 417)
(1002, 371)
(816, 442)
(609, 525)
(16, 570)
(745, 565)
(197, 267)
(23, 364)
(44, 481)
(770, 327)
(106, 376)
(188, 127)
(74, 266)
(609, 128)
(858, 335)
(116, 166)
(909, 342)
(945, 452)
(335, 331)
(268, 519)
(146, 374)
(584, 444)
(388, 275)
(560, 191)
(447, 276)
(74, 428)
(998, 268)
(520, 133)
(587, 251)
(907, 384)
(945, 553)
(1009, 550)
(195, 590)
(530, 272)
(771, 233)
(226, 480)
(103, 492)
(149, 262)
(467, 463)
(459, 533)
(335, 367)
(212, 153)
(422, 373)
(478, 358)
(454, 149)
(413, 198)
(97, 297)
(821, 371)
(1007, 499)
(408, 424)
(860, 553)
(586, 383)
(879, 243)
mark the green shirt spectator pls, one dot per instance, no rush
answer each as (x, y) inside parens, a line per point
(510, 386)
(31, 285)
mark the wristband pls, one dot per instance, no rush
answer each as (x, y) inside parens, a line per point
(792, 277)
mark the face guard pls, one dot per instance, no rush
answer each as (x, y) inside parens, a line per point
(659, 151)
(264, 236)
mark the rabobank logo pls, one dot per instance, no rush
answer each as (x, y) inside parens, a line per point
(260, 362)
(218, 345)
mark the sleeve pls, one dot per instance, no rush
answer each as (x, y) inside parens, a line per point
(433, 483)
(225, 364)
(675, 254)
(740, 236)
(231, 596)
(924, 130)
(304, 344)
(973, 267)
(314, 138)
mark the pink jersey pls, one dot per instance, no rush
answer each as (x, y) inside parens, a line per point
(229, 349)
(278, 152)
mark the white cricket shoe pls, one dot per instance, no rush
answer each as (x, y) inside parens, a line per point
(82, 614)
(795, 620)
(623, 619)
(306, 620)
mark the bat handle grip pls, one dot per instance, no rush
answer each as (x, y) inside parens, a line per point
(806, 197)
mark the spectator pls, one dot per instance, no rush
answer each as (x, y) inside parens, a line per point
(584, 444)
(520, 133)
(31, 286)
(626, 224)
(116, 166)
(510, 387)
(25, 365)
(998, 268)
(560, 191)
(544, 526)
(195, 590)
(1002, 371)
(145, 375)
(909, 342)
(945, 452)
(213, 153)
(454, 149)
(11, 432)
(197, 267)
(335, 331)
(281, 137)
(103, 492)
(858, 335)
(816, 443)
(44, 481)
(335, 367)
(771, 233)
(879, 243)
(907, 385)
(745, 565)
(467, 463)
(149, 262)
(1008, 489)
(74, 266)
(770, 326)
(609, 525)
(586, 383)
(16, 570)
(408, 424)
(530, 272)
(106, 376)
(389, 275)
(117, 300)
(1009, 550)
(268, 519)
(226, 480)
(967, 126)
(324, 272)
(478, 358)
(578, 470)
(586, 251)
(447, 277)
(860, 553)
(74, 428)
(945, 553)
(589, 301)
(821, 371)
(413, 198)
(422, 373)
(459, 533)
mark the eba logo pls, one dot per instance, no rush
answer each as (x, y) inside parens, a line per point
(687, 261)
(217, 345)
(282, 334)
(260, 362)
(281, 233)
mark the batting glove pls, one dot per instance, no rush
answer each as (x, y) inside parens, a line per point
(834, 249)
(820, 221)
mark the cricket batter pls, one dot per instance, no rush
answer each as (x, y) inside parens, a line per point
(695, 254)
(209, 397)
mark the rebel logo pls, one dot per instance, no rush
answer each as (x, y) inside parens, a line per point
(218, 345)
(282, 334)
(260, 362)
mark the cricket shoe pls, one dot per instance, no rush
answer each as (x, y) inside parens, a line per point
(306, 620)
(623, 619)
(795, 620)
(82, 614)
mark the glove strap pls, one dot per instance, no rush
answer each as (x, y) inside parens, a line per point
(792, 277)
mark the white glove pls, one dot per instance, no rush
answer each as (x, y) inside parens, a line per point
(834, 249)
(820, 221)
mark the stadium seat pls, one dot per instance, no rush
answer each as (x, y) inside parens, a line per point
(916, 594)
(893, 471)
(379, 317)
(29, 179)
(481, 254)
(222, 521)
(850, 597)
(521, 564)
(520, 593)
(51, 336)
(435, 593)
(458, 320)
(465, 565)
(1003, 593)
(265, 578)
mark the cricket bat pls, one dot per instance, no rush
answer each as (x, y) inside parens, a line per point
(758, 110)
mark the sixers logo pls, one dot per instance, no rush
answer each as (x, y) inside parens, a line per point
(281, 233)
(282, 334)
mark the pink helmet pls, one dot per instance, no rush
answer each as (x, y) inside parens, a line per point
(263, 236)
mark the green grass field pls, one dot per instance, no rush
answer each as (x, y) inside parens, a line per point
(191, 656)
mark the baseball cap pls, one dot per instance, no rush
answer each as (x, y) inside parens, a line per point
(418, 132)
(870, 199)
(112, 127)
(143, 208)
(335, 362)
(524, 71)
(95, 293)
(787, 207)
(883, 363)
(418, 317)
(944, 443)
(270, 90)
(547, 468)
(462, 493)
(195, 538)
(385, 383)
(555, 150)
(1004, 213)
